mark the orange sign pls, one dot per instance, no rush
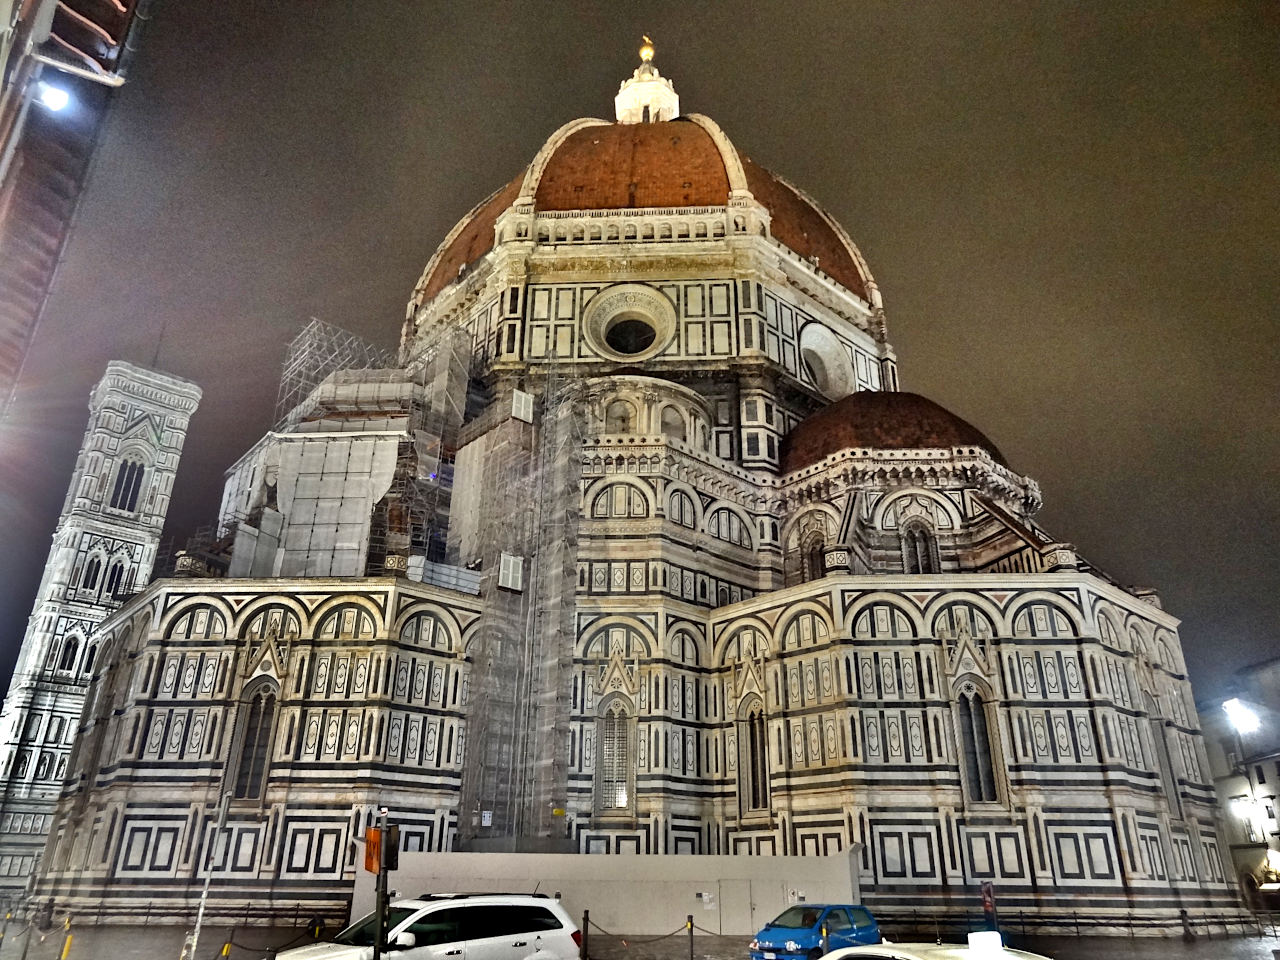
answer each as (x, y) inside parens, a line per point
(372, 849)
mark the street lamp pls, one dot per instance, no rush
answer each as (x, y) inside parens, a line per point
(1242, 716)
(53, 97)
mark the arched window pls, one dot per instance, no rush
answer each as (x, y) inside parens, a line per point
(69, 651)
(91, 571)
(812, 560)
(619, 501)
(614, 778)
(114, 576)
(753, 749)
(726, 525)
(919, 550)
(620, 417)
(124, 495)
(682, 510)
(673, 423)
(975, 748)
(90, 652)
(259, 713)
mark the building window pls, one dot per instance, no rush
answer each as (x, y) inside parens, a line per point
(919, 550)
(682, 510)
(619, 417)
(89, 653)
(975, 748)
(754, 751)
(114, 576)
(255, 742)
(726, 525)
(619, 501)
(91, 571)
(812, 559)
(69, 651)
(673, 423)
(124, 495)
(614, 778)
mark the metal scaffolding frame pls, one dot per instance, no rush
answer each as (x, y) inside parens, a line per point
(317, 351)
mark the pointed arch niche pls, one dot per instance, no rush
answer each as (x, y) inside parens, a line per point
(753, 757)
(254, 738)
(976, 741)
(615, 763)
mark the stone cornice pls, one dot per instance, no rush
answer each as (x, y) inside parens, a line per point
(864, 468)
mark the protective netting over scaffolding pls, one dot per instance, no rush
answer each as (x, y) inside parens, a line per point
(317, 351)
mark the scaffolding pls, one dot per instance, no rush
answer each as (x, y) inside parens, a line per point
(519, 711)
(317, 351)
(409, 528)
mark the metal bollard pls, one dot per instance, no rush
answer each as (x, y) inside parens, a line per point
(586, 932)
(689, 923)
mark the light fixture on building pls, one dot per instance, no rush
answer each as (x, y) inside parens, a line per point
(1242, 717)
(1243, 807)
(52, 97)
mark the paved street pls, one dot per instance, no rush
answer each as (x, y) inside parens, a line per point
(165, 943)
(1059, 948)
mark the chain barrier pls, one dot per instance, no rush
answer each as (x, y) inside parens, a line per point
(627, 942)
(305, 935)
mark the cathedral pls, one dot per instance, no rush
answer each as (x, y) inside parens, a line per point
(636, 548)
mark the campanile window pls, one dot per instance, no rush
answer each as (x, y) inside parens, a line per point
(124, 495)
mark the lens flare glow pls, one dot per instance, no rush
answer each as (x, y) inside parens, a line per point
(53, 98)
(1241, 716)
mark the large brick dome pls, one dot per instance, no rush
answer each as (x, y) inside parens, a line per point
(876, 420)
(684, 162)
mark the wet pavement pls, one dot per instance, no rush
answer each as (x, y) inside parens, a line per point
(256, 943)
(1058, 948)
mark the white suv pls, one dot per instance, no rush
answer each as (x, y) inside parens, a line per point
(494, 926)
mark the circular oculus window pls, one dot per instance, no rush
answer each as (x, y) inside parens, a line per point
(826, 361)
(630, 334)
(629, 321)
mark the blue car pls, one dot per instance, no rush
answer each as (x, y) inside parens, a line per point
(808, 930)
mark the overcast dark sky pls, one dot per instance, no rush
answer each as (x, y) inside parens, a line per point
(1071, 209)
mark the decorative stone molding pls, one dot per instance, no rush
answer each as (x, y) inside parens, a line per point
(628, 315)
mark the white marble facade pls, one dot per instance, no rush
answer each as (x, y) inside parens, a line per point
(755, 615)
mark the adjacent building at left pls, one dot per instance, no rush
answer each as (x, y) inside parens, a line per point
(104, 546)
(60, 63)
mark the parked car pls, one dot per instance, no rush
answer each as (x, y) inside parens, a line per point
(981, 946)
(808, 930)
(464, 927)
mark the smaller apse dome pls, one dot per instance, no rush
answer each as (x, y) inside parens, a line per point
(872, 419)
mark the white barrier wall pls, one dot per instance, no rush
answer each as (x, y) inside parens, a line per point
(649, 895)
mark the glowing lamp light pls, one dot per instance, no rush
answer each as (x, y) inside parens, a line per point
(986, 943)
(1273, 859)
(53, 98)
(1241, 716)
(1243, 807)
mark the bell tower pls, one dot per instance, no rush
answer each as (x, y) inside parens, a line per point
(103, 550)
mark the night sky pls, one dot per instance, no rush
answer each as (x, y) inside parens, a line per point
(1072, 210)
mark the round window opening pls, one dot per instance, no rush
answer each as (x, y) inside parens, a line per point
(630, 335)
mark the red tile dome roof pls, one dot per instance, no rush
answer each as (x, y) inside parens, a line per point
(626, 165)
(879, 420)
(593, 165)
